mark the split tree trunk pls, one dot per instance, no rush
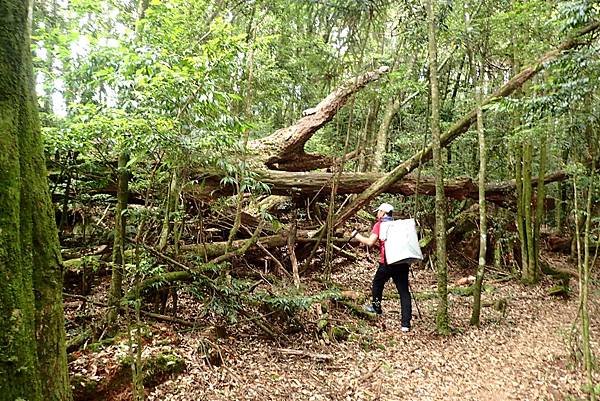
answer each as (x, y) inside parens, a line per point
(33, 360)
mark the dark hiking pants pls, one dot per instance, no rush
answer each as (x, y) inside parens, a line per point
(398, 273)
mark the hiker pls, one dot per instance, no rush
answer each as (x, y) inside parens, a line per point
(397, 272)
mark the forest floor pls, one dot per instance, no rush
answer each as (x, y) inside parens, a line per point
(524, 352)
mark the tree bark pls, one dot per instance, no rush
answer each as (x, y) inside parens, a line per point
(539, 207)
(584, 274)
(170, 209)
(529, 274)
(33, 363)
(291, 244)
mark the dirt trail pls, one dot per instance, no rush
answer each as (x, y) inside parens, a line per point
(522, 356)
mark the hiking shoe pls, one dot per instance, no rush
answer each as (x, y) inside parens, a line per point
(371, 309)
(405, 329)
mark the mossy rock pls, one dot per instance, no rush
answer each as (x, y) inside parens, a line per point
(157, 367)
(161, 365)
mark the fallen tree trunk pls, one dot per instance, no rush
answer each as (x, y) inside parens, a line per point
(312, 183)
(460, 127)
(284, 149)
(215, 249)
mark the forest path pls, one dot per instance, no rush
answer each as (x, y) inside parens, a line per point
(524, 355)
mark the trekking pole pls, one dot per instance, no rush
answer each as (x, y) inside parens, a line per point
(413, 295)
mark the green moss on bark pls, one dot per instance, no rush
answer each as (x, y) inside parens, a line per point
(32, 350)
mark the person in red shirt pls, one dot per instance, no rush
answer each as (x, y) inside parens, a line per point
(397, 272)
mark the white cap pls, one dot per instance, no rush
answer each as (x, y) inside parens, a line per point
(385, 207)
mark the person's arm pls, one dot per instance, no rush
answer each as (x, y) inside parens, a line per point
(370, 240)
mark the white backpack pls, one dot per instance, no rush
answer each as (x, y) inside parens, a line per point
(401, 241)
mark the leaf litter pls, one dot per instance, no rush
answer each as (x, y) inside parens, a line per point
(524, 352)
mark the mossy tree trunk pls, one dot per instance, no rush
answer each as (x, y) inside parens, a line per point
(116, 284)
(442, 322)
(33, 363)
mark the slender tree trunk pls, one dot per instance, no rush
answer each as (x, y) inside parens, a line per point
(562, 196)
(391, 109)
(170, 208)
(291, 244)
(583, 265)
(365, 144)
(442, 321)
(116, 284)
(539, 207)
(585, 319)
(520, 218)
(529, 273)
(240, 175)
(33, 362)
(482, 210)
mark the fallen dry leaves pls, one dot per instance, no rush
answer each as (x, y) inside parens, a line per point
(522, 355)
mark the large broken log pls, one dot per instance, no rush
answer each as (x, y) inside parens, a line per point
(463, 124)
(284, 149)
(311, 183)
